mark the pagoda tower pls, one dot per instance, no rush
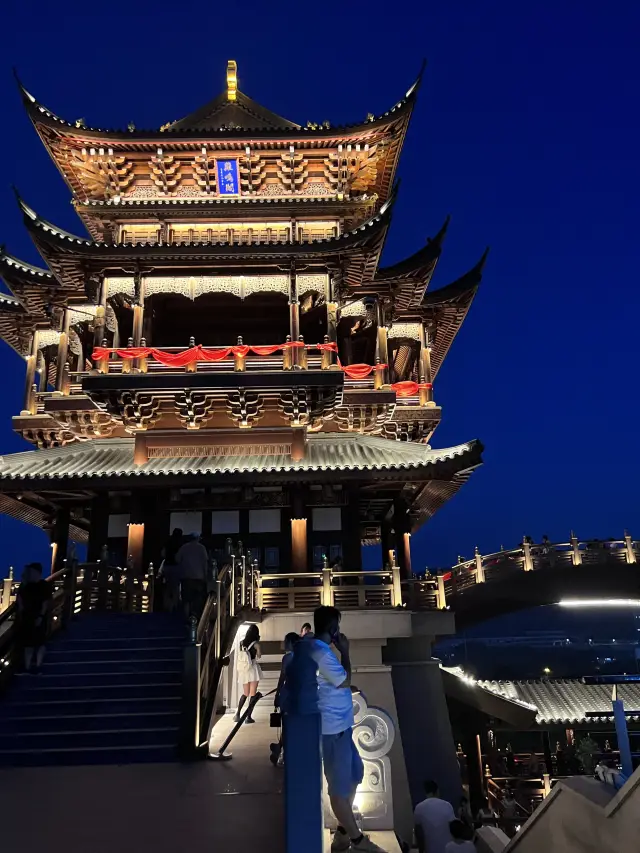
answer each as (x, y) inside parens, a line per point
(224, 352)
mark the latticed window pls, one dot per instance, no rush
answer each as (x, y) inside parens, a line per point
(140, 233)
(310, 231)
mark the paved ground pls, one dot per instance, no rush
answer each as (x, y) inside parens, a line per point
(161, 808)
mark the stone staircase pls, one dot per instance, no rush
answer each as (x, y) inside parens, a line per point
(580, 815)
(110, 693)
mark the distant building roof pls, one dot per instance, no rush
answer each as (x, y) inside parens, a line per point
(567, 700)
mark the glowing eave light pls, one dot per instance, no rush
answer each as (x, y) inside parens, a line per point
(600, 602)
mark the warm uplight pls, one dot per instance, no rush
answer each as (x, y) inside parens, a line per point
(546, 670)
(600, 602)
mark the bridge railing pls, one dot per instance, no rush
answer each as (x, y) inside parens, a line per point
(304, 591)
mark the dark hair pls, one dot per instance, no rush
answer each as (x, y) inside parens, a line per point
(460, 831)
(35, 567)
(323, 617)
(291, 639)
(431, 788)
(252, 636)
(306, 625)
(177, 531)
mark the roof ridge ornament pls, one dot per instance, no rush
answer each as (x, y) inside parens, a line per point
(232, 80)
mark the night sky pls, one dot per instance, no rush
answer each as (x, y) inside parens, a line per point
(526, 131)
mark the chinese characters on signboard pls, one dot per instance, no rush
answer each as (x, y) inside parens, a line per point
(227, 172)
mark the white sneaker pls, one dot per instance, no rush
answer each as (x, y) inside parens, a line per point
(340, 842)
(366, 845)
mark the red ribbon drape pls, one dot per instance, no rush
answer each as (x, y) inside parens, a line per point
(213, 354)
(409, 388)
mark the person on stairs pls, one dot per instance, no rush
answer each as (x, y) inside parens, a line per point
(343, 767)
(33, 600)
(277, 750)
(249, 671)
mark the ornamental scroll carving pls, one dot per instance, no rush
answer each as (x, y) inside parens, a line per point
(373, 733)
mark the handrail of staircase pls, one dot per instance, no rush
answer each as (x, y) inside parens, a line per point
(207, 651)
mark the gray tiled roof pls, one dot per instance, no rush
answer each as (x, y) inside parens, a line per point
(567, 700)
(332, 452)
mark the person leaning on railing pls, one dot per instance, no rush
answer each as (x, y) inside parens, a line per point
(33, 601)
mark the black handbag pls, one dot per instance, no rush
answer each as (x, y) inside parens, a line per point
(275, 720)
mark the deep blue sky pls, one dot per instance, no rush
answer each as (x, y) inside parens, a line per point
(526, 131)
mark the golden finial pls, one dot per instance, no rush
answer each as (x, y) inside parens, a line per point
(232, 80)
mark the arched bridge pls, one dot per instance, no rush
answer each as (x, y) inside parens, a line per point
(539, 574)
(477, 589)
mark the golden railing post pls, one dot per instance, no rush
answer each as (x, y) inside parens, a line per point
(628, 544)
(576, 555)
(29, 404)
(303, 361)
(327, 593)
(480, 578)
(546, 785)
(103, 363)
(126, 362)
(239, 361)
(143, 362)
(7, 583)
(424, 372)
(287, 354)
(193, 366)
(528, 560)
(325, 359)
(397, 587)
(441, 597)
(382, 349)
(63, 348)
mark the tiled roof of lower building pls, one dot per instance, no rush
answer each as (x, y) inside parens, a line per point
(567, 700)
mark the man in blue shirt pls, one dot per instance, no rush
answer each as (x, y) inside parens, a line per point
(343, 766)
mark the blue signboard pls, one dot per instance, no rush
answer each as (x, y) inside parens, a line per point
(228, 182)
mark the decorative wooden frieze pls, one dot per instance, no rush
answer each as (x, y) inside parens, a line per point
(194, 408)
(363, 167)
(312, 283)
(138, 410)
(245, 408)
(166, 172)
(103, 175)
(405, 330)
(46, 438)
(93, 424)
(253, 171)
(204, 172)
(120, 285)
(292, 170)
(354, 309)
(363, 419)
(192, 451)
(294, 407)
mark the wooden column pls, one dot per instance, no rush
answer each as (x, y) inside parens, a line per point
(63, 348)
(99, 526)
(387, 544)
(135, 538)
(60, 538)
(382, 351)
(425, 375)
(299, 547)
(332, 320)
(29, 404)
(294, 312)
(402, 538)
(351, 539)
(99, 322)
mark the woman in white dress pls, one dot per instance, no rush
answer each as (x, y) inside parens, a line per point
(249, 671)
